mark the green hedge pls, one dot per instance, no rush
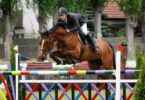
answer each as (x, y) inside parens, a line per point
(140, 86)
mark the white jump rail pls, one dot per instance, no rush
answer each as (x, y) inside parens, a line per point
(118, 81)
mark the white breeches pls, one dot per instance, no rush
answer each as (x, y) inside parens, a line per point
(84, 29)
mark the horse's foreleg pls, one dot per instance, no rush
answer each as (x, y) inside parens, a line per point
(54, 55)
(67, 57)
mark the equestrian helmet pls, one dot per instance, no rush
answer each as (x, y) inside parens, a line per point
(62, 11)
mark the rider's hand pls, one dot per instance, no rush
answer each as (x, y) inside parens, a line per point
(67, 30)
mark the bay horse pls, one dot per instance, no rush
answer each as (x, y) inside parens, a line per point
(70, 48)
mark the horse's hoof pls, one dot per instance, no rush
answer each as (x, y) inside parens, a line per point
(45, 61)
(64, 62)
(58, 63)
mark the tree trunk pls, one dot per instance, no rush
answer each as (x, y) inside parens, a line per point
(97, 22)
(143, 34)
(130, 38)
(8, 35)
(42, 24)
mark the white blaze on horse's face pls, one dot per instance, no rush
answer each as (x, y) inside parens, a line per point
(42, 45)
(46, 46)
(43, 50)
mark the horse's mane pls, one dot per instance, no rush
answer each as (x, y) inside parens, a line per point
(64, 28)
(47, 32)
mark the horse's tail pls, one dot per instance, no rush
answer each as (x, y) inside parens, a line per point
(114, 64)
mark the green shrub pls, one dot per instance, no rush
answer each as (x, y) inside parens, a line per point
(140, 86)
(139, 60)
(12, 62)
(12, 55)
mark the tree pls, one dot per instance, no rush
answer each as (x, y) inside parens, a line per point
(11, 11)
(143, 25)
(97, 7)
(45, 9)
(49, 7)
(1, 23)
(131, 9)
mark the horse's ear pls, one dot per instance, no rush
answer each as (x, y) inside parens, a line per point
(41, 33)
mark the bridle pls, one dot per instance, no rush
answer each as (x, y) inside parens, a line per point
(44, 49)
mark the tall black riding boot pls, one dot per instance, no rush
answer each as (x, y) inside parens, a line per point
(91, 41)
(82, 37)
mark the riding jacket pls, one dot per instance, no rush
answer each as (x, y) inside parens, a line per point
(73, 23)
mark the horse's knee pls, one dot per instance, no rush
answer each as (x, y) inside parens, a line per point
(51, 54)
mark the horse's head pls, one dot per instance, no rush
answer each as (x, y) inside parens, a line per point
(46, 44)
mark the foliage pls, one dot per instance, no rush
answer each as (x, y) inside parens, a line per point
(142, 11)
(12, 8)
(12, 55)
(112, 30)
(22, 91)
(48, 7)
(63, 76)
(138, 57)
(121, 32)
(74, 5)
(45, 7)
(130, 7)
(140, 86)
(98, 3)
(90, 17)
(123, 41)
(95, 7)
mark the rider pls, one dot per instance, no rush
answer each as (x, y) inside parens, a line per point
(75, 22)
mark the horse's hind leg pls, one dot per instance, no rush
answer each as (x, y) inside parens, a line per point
(105, 76)
(97, 65)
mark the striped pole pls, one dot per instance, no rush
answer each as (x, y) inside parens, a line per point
(67, 72)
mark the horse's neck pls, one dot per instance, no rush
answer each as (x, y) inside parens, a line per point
(66, 38)
(70, 36)
(72, 39)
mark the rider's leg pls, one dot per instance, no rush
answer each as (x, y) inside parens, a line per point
(89, 38)
(82, 37)
(91, 41)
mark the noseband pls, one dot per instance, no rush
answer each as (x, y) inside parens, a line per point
(44, 49)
